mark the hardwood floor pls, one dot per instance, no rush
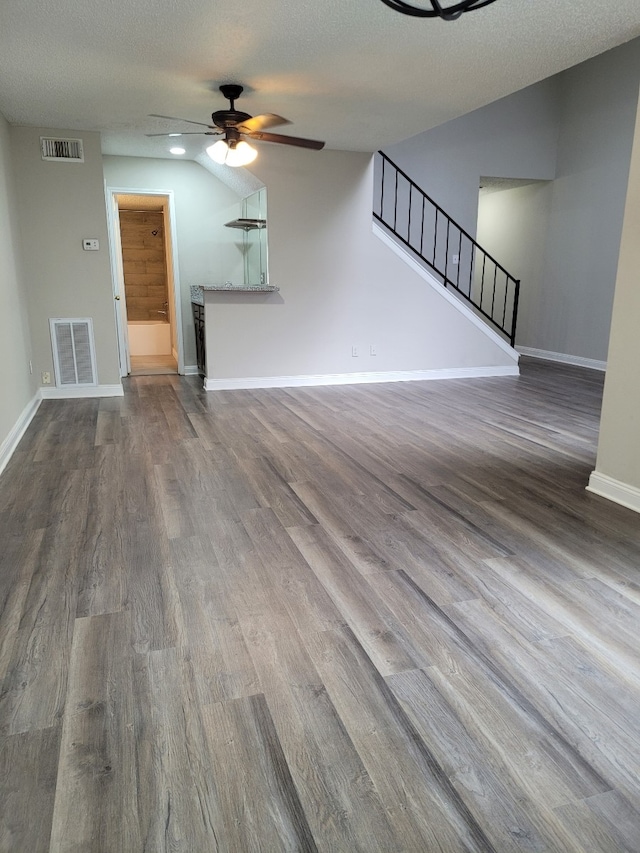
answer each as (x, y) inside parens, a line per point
(147, 365)
(367, 618)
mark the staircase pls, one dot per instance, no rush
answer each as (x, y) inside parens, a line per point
(457, 261)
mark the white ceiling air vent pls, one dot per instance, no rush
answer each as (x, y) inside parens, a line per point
(74, 356)
(69, 150)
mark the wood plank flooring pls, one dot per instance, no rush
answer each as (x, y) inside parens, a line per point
(367, 618)
(147, 365)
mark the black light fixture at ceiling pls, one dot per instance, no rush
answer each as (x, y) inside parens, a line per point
(447, 13)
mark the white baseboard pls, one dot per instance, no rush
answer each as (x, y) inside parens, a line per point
(442, 291)
(614, 490)
(577, 360)
(191, 370)
(8, 446)
(357, 378)
(55, 393)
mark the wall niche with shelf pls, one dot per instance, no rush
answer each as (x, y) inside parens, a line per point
(253, 245)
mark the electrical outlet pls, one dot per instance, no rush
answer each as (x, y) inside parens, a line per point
(455, 260)
(354, 352)
(46, 377)
(373, 350)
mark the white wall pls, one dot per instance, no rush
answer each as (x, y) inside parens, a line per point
(59, 204)
(340, 286)
(512, 226)
(16, 385)
(208, 253)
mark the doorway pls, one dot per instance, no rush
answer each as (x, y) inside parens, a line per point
(145, 286)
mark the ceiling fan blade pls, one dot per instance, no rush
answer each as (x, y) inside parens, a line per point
(287, 140)
(175, 118)
(188, 133)
(262, 122)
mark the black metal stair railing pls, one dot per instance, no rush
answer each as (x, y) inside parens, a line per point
(445, 247)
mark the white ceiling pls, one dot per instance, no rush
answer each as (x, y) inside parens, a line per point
(352, 72)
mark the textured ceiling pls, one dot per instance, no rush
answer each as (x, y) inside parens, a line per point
(353, 72)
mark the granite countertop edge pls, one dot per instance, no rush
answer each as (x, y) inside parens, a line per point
(197, 290)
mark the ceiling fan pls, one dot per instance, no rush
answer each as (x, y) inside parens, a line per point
(235, 127)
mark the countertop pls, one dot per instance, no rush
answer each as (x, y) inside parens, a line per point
(197, 290)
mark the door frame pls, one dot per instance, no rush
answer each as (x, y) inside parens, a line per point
(117, 271)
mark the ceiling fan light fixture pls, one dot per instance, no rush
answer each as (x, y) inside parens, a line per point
(437, 10)
(233, 126)
(218, 151)
(240, 154)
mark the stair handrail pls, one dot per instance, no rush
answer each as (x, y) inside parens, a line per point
(476, 295)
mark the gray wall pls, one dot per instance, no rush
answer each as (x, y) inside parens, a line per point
(16, 385)
(575, 128)
(59, 204)
(512, 226)
(207, 251)
(340, 286)
(516, 137)
(598, 102)
(618, 462)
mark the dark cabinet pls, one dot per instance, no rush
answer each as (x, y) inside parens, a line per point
(201, 351)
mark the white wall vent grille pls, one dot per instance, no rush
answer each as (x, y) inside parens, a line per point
(69, 150)
(74, 355)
